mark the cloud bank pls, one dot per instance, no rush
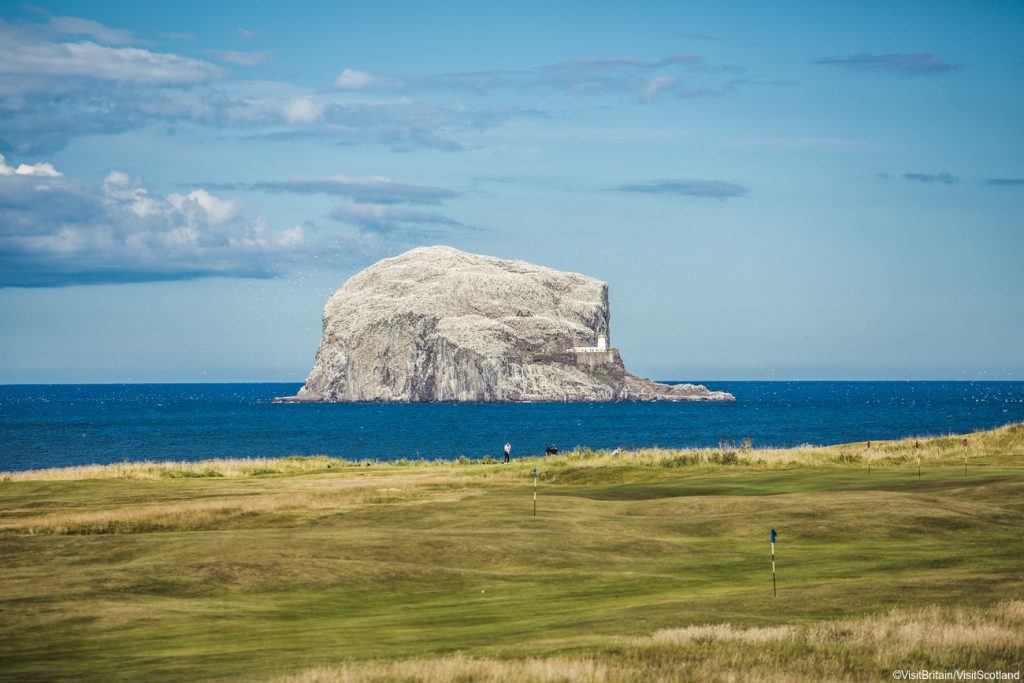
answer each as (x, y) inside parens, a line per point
(74, 77)
(55, 87)
(58, 231)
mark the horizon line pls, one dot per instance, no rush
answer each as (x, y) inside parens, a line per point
(680, 381)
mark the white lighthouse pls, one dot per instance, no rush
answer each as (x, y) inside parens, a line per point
(602, 343)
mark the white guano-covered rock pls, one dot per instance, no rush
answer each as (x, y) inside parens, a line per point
(439, 324)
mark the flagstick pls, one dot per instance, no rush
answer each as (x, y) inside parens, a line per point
(774, 592)
(535, 492)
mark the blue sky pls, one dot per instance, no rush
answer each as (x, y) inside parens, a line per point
(772, 190)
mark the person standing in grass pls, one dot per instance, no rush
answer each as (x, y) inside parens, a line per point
(508, 451)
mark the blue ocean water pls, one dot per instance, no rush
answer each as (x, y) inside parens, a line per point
(57, 425)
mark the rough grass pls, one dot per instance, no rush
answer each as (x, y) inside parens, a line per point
(844, 650)
(1006, 441)
(651, 565)
(148, 470)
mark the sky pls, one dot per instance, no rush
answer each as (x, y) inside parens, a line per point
(783, 190)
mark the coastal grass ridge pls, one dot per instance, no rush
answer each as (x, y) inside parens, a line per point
(990, 447)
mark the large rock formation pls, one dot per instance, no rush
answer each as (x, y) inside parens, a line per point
(438, 324)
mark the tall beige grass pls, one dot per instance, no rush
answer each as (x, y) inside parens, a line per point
(460, 669)
(892, 635)
(149, 470)
(867, 648)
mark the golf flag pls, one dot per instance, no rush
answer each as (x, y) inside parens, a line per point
(774, 592)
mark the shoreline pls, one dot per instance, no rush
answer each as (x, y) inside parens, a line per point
(946, 448)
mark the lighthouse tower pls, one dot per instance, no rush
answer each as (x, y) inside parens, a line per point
(602, 343)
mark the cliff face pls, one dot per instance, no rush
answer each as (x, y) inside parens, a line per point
(438, 324)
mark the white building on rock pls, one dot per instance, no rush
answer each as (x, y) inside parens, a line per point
(602, 344)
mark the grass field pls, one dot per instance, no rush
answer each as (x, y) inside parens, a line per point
(651, 565)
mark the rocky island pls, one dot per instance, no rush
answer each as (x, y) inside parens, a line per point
(439, 324)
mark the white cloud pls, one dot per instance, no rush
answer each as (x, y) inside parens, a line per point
(133, 65)
(217, 211)
(302, 110)
(40, 169)
(53, 90)
(30, 63)
(655, 85)
(351, 79)
(76, 26)
(242, 58)
(58, 231)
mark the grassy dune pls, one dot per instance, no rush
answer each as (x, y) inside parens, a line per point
(651, 565)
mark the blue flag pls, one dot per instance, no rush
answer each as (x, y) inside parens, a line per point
(773, 535)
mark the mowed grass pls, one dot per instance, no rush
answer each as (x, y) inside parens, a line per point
(651, 565)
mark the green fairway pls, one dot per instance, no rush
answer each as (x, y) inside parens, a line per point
(317, 567)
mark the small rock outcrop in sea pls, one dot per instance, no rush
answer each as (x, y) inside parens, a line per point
(439, 324)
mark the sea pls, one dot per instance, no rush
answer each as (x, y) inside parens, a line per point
(77, 424)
